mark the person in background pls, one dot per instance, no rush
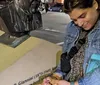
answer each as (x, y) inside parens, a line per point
(80, 60)
(46, 7)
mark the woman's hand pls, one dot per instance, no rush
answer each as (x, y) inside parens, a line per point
(63, 82)
(50, 81)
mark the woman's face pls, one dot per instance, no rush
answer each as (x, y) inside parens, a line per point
(85, 18)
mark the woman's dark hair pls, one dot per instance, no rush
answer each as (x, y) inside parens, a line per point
(69, 5)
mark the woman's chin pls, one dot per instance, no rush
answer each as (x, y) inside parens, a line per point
(87, 28)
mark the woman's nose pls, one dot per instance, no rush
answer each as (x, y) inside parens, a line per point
(79, 23)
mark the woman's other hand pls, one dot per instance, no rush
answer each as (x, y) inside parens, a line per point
(50, 81)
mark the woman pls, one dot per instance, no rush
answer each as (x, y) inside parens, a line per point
(85, 22)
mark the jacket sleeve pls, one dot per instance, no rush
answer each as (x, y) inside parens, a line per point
(64, 49)
(70, 36)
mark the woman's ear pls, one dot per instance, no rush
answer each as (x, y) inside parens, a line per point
(95, 4)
